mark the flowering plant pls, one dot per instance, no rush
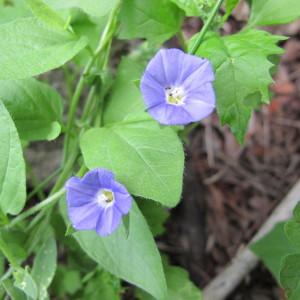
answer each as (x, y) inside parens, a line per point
(122, 159)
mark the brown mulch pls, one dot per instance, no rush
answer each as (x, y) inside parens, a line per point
(230, 190)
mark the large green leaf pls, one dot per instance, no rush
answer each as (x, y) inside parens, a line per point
(12, 166)
(155, 20)
(242, 71)
(44, 266)
(35, 107)
(134, 258)
(126, 99)
(28, 48)
(96, 8)
(271, 12)
(147, 159)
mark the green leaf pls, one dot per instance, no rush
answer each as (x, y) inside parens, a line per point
(66, 281)
(12, 246)
(272, 248)
(236, 57)
(103, 286)
(155, 214)
(179, 286)
(13, 292)
(11, 13)
(292, 228)
(29, 48)
(126, 99)
(97, 8)
(35, 107)
(46, 14)
(12, 166)
(190, 7)
(147, 159)
(44, 266)
(229, 7)
(155, 20)
(134, 258)
(272, 12)
(290, 274)
(26, 283)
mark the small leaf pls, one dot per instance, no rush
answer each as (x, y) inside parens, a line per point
(155, 214)
(26, 283)
(44, 266)
(155, 20)
(179, 286)
(272, 12)
(272, 248)
(292, 228)
(29, 48)
(147, 159)
(45, 13)
(13, 292)
(229, 7)
(66, 281)
(236, 57)
(290, 273)
(12, 166)
(190, 7)
(35, 107)
(12, 246)
(103, 286)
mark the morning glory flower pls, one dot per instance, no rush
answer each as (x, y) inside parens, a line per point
(177, 87)
(97, 201)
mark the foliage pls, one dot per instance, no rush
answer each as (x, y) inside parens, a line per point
(279, 250)
(62, 56)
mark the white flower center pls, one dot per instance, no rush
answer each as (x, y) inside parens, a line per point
(105, 198)
(174, 95)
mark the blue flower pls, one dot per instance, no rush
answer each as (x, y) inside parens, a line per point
(97, 202)
(177, 87)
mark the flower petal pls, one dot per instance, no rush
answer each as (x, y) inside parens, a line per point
(78, 193)
(108, 221)
(98, 177)
(85, 217)
(123, 203)
(168, 114)
(204, 73)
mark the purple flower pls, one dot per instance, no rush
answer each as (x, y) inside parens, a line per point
(97, 201)
(177, 87)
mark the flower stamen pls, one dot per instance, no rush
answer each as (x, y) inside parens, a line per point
(105, 198)
(174, 95)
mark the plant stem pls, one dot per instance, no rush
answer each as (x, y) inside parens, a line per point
(41, 185)
(66, 171)
(205, 27)
(105, 38)
(50, 200)
(35, 182)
